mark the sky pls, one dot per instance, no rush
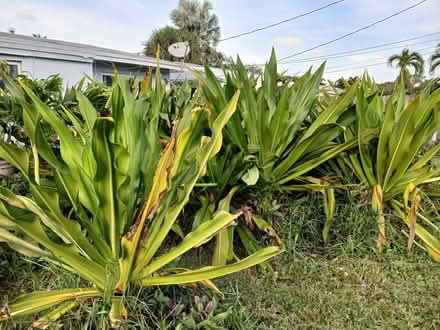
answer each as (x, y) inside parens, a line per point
(124, 25)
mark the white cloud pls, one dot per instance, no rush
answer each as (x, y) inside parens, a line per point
(78, 25)
(26, 14)
(288, 42)
(429, 28)
(365, 58)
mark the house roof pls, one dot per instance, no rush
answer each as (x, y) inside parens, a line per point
(21, 45)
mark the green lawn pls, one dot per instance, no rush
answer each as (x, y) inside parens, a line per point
(345, 285)
(342, 293)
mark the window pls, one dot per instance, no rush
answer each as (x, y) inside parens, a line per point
(13, 69)
(107, 80)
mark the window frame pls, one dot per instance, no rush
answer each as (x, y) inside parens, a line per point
(11, 63)
(104, 75)
(14, 63)
(111, 75)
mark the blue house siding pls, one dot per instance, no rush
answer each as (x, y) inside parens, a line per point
(102, 69)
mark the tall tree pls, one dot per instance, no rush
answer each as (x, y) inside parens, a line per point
(406, 61)
(168, 35)
(196, 17)
(164, 37)
(195, 24)
(435, 60)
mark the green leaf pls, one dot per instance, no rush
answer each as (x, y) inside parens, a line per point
(68, 254)
(251, 176)
(23, 246)
(55, 314)
(385, 134)
(333, 112)
(196, 238)
(211, 272)
(70, 149)
(206, 151)
(41, 300)
(15, 156)
(104, 182)
(88, 111)
(224, 246)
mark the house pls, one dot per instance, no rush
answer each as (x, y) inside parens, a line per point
(41, 57)
(332, 90)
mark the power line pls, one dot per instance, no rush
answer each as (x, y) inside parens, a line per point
(354, 32)
(359, 51)
(343, 65)
(356, 52)
(366, 66)
(361, 67)
(281, 22)
(348, 54)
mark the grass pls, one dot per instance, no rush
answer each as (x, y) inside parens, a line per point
(343, 293)
(342, 285)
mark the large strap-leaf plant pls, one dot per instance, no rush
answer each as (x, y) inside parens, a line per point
(280, 130)
(112, 199)
(392, 162)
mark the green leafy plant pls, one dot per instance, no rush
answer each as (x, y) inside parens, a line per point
(277, 126)
(97, 93)
(11, 120)
(390, 162)
(113, 198)
(281, 129)
(203, 315)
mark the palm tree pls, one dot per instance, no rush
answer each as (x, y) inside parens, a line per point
(164, 37)
(196, 17)
(406, 61)
(435, 60)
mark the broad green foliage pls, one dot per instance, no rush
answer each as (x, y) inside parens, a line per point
(95, 92)
(11, 120)
(390, 162)
(280, 130)
(118, 183)
(113, 197)
(50, 92)
(278, 127)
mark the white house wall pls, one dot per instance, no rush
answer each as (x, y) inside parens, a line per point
(39, 68)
